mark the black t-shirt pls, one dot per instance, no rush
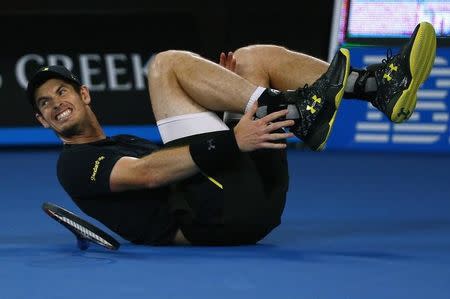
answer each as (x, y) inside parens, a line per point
(139, 216)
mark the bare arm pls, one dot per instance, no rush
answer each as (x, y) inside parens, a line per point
(170, 165)
(154, 170)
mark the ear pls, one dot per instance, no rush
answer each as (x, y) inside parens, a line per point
(85, 95)
(43, 122)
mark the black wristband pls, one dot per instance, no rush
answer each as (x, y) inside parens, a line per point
(215, 151)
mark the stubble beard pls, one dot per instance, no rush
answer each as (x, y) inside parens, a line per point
(73, 130)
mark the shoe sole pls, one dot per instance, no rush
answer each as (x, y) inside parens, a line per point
(421, 61)
(327, 127)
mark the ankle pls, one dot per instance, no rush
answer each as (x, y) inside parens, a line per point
(361, 85)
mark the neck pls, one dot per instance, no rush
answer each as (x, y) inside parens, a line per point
(85, 137)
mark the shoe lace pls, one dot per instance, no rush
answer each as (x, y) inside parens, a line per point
(303, 91)
(389, 57)
(308, 90)
(309, 94)
(381, 101)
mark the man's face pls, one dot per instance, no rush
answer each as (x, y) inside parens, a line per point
(61, 107)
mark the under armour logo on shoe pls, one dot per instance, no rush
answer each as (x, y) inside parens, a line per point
(393, 67)
(404, 112)
(316, 99)
(312, 108)
(387, 77)
(210, 144)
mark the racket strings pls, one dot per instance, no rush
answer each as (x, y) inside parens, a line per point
(82, 230)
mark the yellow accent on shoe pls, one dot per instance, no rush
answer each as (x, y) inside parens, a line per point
(338, 97)
(310, 108)
(387, 77)
(393, 67)
(316, 99)
(421, 61)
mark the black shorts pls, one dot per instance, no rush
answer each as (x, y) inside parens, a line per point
(248, 207)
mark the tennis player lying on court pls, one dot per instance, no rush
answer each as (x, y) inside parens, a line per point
(211, 184)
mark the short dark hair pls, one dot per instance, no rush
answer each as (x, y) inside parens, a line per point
(50, 72)
(75, 86)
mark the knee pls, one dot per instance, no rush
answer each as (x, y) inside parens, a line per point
(164, 62)
(253, 52)
(160, 63)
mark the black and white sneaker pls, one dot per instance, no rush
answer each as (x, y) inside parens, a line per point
(317, 104)
(399, 77)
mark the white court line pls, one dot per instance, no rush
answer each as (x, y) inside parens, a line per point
(367, 126)
(440, 71)
(440, 116)
(415, 117)
(372, 138)
(439, 60)
(431, 128)
(421, 105)
(374, 115)
(432, 94)
(423, 139)
(377, 116)
(442, 83)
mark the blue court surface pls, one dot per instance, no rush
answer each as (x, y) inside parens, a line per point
(356, 226)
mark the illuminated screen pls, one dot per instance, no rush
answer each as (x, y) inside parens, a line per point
(393, 18)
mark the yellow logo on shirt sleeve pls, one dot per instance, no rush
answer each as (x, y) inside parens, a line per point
(96, 166)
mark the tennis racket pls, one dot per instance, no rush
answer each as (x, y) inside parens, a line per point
(84, 231)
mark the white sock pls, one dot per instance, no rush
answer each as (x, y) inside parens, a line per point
(254, 97)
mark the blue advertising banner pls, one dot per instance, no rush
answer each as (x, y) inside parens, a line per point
(360, 126)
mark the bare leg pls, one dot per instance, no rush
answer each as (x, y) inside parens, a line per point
(277, 67)
(183, 83)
